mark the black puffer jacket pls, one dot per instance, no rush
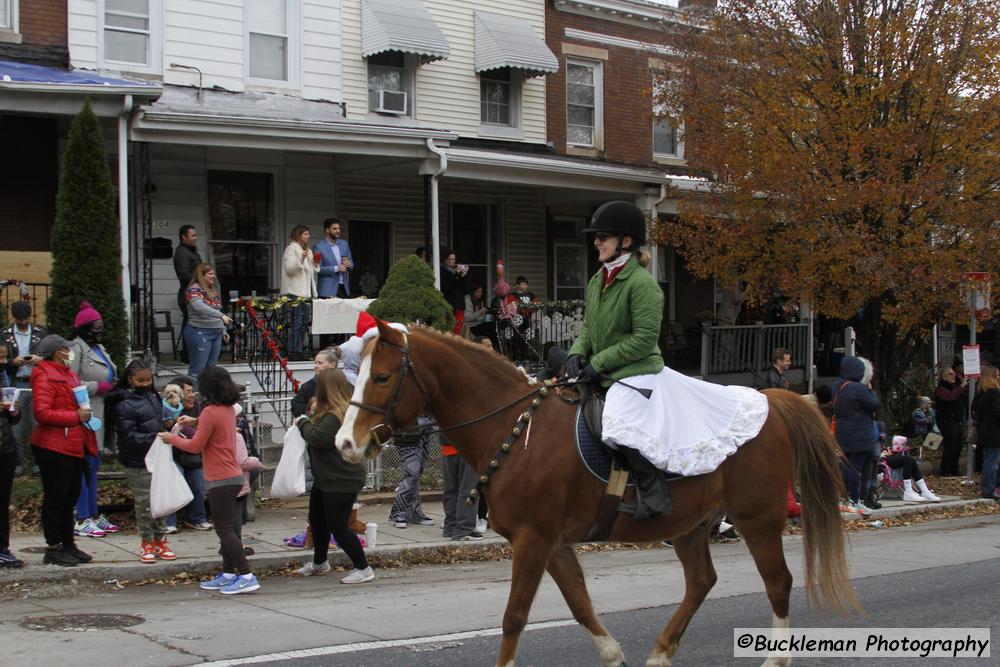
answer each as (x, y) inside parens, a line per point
(8, 441)
(855, 405)
(986, 408)
(138, 417)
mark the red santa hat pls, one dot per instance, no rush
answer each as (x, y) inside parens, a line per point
(365, 322)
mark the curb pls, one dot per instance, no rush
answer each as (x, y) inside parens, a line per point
(914, 508)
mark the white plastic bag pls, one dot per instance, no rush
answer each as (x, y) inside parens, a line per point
(290, 475)
(168, 491)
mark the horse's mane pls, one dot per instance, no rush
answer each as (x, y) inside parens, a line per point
(485, 359)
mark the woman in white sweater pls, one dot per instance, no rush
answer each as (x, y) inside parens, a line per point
(298, 279)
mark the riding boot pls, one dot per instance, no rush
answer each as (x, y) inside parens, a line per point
(651, 490)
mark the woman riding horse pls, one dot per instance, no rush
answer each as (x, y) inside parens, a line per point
(677, 423)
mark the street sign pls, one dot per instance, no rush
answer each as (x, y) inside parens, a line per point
(978, 283)
(970, 361)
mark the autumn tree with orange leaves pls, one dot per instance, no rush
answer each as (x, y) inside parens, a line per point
(854, 154)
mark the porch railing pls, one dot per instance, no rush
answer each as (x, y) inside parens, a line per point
(525, 334)
(256, 340)
(35, 294)
(277, 317)
(748, 349)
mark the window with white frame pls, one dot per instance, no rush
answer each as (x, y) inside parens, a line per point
(584, 103)
(268, 47)
(390, 76)
(127, 36)
(667, 138)
(7, 10)
(499, 92)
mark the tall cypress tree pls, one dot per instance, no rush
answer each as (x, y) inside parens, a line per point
(86, 240)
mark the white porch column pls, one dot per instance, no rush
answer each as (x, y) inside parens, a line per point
(435, 174)
(123, 216)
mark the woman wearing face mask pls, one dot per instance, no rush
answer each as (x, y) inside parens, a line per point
(92, 363)
(59, 442)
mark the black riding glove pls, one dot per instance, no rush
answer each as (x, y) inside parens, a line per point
(574, 365)
(588, 374)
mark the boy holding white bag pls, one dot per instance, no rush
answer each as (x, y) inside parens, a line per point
(137, 416)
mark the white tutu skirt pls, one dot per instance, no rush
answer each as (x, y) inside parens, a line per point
(687, 426)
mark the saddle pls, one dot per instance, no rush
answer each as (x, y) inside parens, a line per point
(651, 495)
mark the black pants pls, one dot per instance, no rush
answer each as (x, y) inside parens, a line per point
(329, 514)
(951, 447)
(223, 500)
(908, 464)
(183, 305)
(856, 475)
(7, 464)
(62, 477)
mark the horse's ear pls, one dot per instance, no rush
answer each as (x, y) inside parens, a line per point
(387, 333)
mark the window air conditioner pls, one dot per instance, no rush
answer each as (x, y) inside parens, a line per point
(388, 101)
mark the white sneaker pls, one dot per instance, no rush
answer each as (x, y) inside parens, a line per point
(929, 496)
(170, 530)
(724, 526)
(311, 569)
(861, 509)
(481, 526)
(358, 576)
(400, 524)
(910, 496)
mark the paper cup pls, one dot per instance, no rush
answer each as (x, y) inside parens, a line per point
(9, 394)
(371, 531)
(93, 424)
(82, 396)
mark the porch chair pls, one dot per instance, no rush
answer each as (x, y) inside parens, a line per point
(168, 328)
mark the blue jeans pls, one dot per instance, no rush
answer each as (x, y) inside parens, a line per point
(195, 510)
(300, 327)
(203, 346)
(86, 503)
(991, 459)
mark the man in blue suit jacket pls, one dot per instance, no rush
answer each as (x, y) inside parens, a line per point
(336, 262)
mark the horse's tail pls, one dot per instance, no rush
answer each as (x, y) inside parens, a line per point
(821, 487)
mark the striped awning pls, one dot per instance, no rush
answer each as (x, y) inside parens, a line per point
(509, 41)
(401, 25)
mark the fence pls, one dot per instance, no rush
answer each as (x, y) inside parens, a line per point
(36, 294)
(253, 317)
(526, 334)
(747, 349)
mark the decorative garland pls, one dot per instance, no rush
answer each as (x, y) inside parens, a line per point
(259, 303)
(251, 309)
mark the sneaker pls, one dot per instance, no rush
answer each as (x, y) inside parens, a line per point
(77, 554)
(668, 543)
(105, 525)
(359, 576)
(163, 550)
(8, 559)
(203, 525)
(871, 503)
(911, 496)
(217, 582)
(170, 530)
(311, 569)
(242, 584)
(471, 537)
(425, 521)
(248, 551)
(148, 553)
(861, 509)
(59, 557)
(400, 524)
(87, 528)
(481, 526)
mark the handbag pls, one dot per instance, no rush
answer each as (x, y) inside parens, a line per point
(290, 475)
(933, 441)
(833, 419)
(168, 490)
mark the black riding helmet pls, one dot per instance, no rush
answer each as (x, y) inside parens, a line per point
(620, 218)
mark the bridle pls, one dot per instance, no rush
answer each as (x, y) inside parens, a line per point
(405, 367)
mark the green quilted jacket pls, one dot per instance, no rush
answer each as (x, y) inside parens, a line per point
(622, 325)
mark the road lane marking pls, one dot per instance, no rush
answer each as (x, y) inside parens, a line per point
(371, 646)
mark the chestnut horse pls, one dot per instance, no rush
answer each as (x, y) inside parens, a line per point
(543, 500)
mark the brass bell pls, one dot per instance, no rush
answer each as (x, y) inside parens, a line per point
(494, 463)
(474, 493)
(536, 402)
(544, 391)
(517, 430)
(505, 447)
(484, 478)
(469, 501)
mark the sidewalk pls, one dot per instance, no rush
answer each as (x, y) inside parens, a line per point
(116, 556)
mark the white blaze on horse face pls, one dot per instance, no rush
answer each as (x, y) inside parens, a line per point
(346, 437)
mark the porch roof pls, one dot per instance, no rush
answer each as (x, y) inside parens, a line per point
(262, 120)
(401, 25)
(510, 41)
(26, 88)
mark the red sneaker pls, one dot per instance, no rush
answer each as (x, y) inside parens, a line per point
(163, 551)
(148, 554)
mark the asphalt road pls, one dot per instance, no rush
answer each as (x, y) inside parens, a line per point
(406, 615)
(947, 596)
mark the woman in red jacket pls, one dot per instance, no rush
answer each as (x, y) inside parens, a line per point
(58, 442)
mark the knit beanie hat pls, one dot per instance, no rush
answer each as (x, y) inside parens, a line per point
(86, 315)
(50, 345)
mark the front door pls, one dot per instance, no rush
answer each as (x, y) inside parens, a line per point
(473, 238)
(370, 246)
(241, 223)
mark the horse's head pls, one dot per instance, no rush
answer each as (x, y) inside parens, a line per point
(388, 394)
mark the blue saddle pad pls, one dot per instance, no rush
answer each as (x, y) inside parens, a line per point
(592, 453)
